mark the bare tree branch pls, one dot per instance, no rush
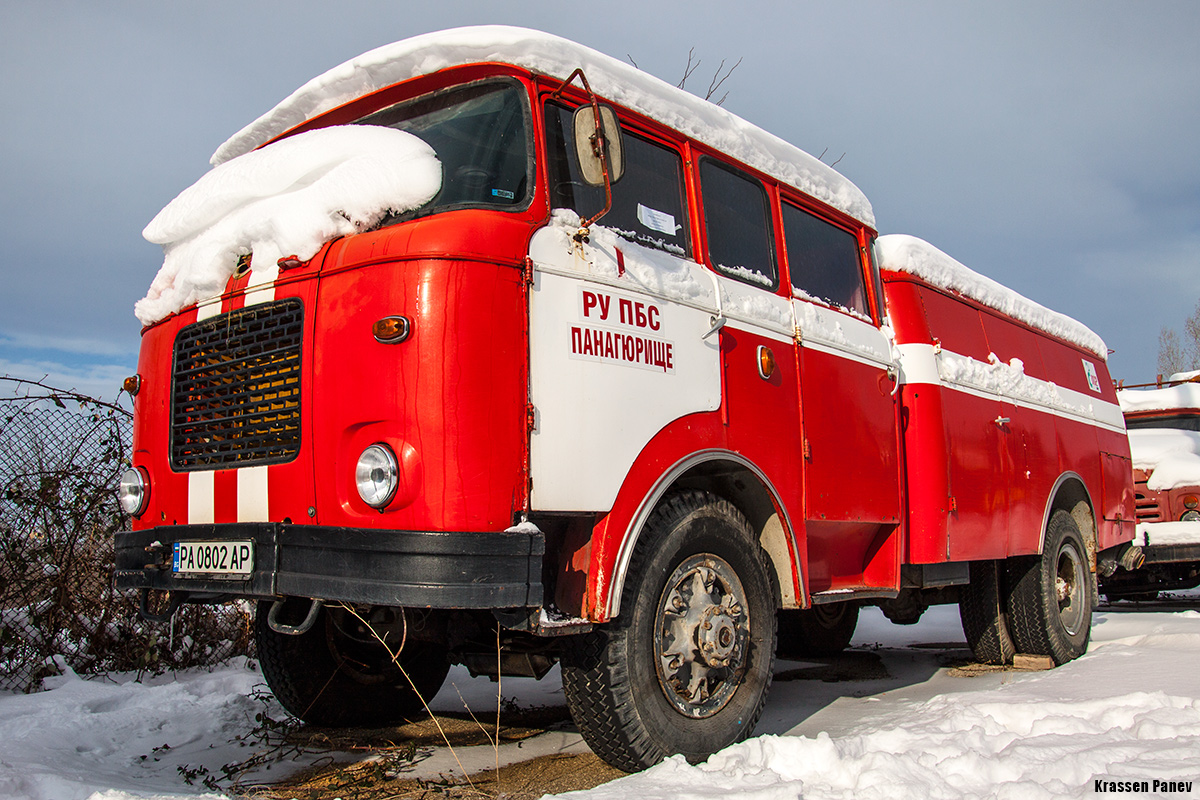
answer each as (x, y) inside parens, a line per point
(631, 61)
(689, 69)
(717, 80)
(1180, 353)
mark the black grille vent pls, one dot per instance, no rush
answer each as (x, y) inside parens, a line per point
(235, 398)
(1146, 503)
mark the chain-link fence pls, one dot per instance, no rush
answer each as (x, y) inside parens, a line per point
(61, 456)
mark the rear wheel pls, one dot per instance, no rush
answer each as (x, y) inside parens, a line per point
(982, 610)
(686, 667)
(337, 673)
(1050, 601)
(823, 630)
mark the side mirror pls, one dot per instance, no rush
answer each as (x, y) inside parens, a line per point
(592, 139)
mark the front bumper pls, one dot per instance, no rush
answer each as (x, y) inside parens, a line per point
(415, 569)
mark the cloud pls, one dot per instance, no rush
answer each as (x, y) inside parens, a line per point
(102, 381)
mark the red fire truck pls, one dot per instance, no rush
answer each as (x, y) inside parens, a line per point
(635, 386)
(1164, 437)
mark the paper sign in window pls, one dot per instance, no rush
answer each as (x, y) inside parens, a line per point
(656, 220)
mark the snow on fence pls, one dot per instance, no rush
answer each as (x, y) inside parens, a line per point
(61, 455)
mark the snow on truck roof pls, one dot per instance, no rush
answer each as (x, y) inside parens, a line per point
(1168, 398)
(542, 52)
(902, 253)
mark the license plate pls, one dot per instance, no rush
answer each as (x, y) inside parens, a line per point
(234, 558)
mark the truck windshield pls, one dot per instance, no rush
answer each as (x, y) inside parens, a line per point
(480, 135)
(1182, 422)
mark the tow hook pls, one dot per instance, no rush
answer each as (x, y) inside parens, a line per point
(174, 601)
(293, 630)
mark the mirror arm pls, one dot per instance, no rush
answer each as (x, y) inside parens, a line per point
(599, 147)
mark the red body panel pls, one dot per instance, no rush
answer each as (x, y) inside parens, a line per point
(450, 400)
(982, 469)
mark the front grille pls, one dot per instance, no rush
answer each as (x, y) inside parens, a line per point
(235, 395)
(1146, 504)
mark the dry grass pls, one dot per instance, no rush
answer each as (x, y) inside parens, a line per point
(387, 756)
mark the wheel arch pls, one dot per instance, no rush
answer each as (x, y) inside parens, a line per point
(1071, 494)
(735, 478)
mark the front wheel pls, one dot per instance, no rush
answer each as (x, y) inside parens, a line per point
(687, 665)
(337, 673)
(1050, 596)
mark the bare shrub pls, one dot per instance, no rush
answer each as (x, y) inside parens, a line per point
(61, 456)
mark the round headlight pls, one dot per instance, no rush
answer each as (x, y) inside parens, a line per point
(133, 491)
(1190, 516)
(376, 475)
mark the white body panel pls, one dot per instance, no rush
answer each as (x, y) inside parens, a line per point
(617, 352)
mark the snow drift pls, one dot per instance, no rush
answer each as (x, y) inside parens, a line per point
(287, 199)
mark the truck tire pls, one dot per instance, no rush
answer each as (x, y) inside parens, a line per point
(686, 666)
(823, 630)
(333, 675)
(982, 610)
(1050, 601)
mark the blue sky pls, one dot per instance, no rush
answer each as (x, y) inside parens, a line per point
(1051, 147)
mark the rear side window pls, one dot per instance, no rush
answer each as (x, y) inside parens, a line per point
(823, 260)
(737, 219)
(648, 201)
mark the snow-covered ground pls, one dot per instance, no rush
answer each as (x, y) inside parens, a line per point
(899, 723)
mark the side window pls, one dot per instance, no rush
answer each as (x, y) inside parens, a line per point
(737, 218)
(823, 260)
(648, 201)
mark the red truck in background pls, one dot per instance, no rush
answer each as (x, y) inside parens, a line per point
(1164, 439)
(639, 383)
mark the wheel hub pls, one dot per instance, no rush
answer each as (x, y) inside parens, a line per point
(701, 633)
(717, 636)
(1069, 586)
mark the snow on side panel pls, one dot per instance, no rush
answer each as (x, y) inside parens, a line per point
(286, 199)
(611, 258)
(821, 327)
(901, 253)
(528, 49)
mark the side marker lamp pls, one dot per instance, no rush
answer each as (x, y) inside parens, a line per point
(391, 330)
(766, 363)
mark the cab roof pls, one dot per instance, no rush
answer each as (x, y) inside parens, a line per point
(544, 53)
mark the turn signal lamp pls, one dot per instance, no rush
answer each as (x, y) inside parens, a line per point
(132, 385)
(391, 330)
(766, 362)
(1190, 502)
